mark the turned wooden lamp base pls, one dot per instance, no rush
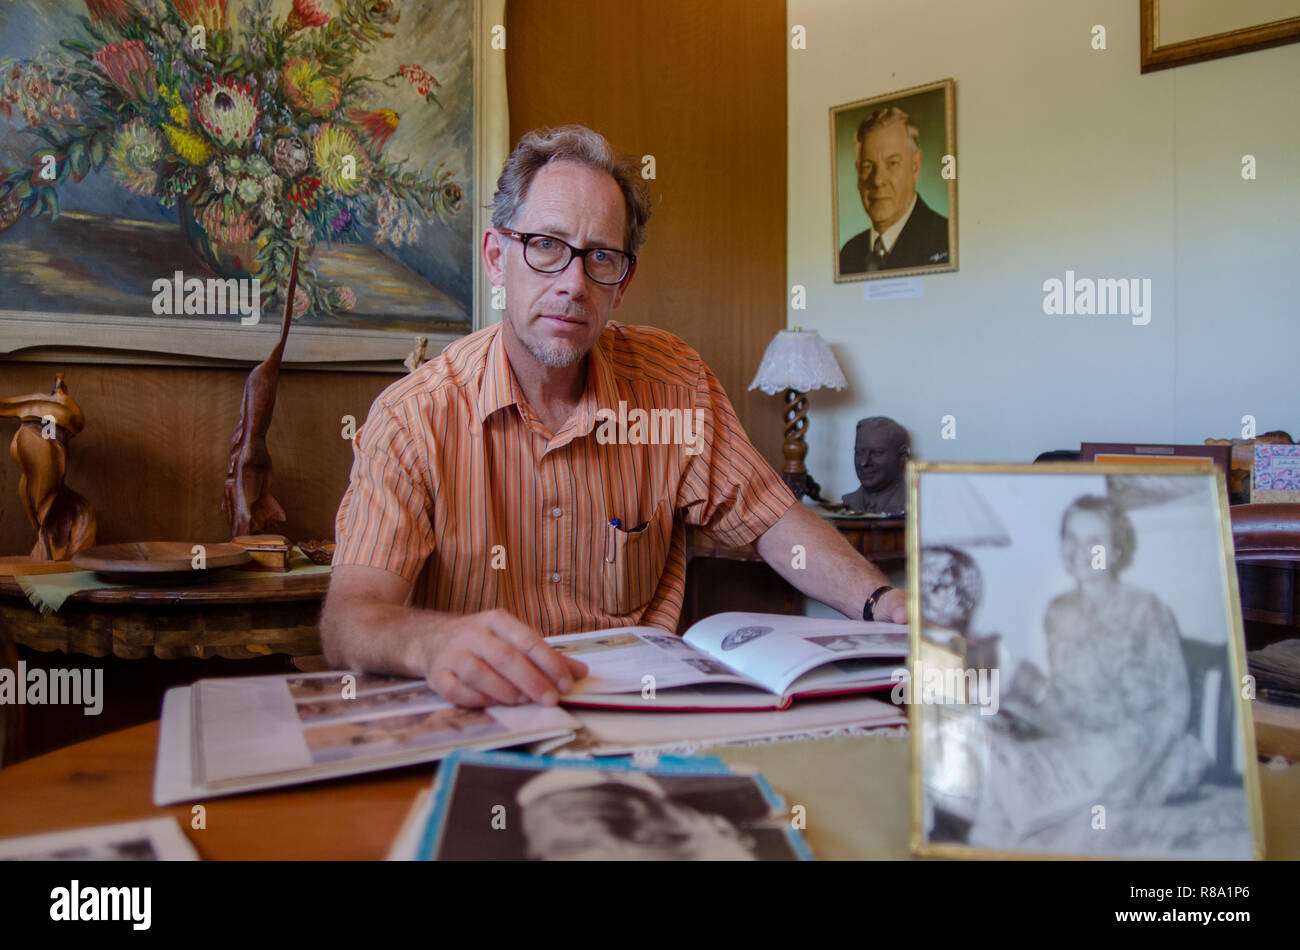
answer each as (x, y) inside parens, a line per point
(795, 475)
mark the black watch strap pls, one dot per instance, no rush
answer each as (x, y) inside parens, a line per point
(869, 609)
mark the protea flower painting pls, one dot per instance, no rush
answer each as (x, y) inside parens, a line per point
(249, 128)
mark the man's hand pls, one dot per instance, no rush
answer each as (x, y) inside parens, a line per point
(492, 657)
(892, 606)
(470, 659)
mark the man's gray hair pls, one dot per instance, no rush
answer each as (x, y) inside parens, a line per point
(570, 143)
(883, 119)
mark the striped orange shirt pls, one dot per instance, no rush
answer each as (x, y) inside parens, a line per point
(458, 486)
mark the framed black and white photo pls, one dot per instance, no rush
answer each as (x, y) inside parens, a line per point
(1077, 667)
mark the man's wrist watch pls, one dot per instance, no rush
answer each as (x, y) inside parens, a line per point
(869, 609)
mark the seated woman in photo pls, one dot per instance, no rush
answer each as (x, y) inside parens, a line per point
(1117, 674)
(1112, 727)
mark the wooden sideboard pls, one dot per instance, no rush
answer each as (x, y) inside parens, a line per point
(235, 619)
(715, 573)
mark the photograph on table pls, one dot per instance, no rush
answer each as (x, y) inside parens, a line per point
(511, 807)
(1078, 665)
(894, 184)
(153, 839)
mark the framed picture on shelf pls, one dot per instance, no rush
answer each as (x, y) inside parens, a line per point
(161, 160)
(1077, 664)
(1129, 452)
(894, 184)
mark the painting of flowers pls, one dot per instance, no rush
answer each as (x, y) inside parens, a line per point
(139, 138)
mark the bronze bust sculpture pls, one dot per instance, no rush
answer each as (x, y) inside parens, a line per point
(880, 453)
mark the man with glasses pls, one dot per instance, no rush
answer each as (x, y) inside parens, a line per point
(483, 513)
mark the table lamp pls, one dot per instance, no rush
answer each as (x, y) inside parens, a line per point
(798, 361)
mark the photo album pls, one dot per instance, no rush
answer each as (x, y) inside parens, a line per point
(734, 661)
(224, 736)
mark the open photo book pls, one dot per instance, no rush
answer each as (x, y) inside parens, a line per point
(223, 736)
(733, 661)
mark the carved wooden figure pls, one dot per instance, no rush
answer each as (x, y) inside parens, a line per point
(249, 506)
(415, 359)
(63, 520)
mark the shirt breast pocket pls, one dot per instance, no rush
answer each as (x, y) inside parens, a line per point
(633, 562)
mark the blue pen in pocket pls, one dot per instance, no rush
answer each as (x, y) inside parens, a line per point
(615, 524)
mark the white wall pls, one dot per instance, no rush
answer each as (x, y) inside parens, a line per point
(1067, 158)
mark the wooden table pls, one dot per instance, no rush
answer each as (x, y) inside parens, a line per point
(854, 790)
(236, 618)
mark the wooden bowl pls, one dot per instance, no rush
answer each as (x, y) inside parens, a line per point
(159, 561)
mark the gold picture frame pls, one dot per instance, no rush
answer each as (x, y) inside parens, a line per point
(925, 245)
(1158, 55)
(973, 522)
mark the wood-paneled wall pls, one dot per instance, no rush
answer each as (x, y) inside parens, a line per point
(702, 88)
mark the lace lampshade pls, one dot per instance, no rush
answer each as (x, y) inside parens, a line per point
(799, 360)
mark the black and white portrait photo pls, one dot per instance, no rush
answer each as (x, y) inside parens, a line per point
(535, 811)
(1097, 604)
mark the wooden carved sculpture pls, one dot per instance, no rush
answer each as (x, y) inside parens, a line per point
(63, 520)
(249, 505)
(415, 359)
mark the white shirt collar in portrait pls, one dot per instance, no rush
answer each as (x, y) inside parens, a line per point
(892, 232)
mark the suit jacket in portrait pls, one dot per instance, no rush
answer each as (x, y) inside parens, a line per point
(923, 242)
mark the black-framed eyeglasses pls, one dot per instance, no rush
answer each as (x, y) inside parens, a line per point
(548, 254)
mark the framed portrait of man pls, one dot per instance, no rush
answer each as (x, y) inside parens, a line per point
(1078, 664)
(894, 184)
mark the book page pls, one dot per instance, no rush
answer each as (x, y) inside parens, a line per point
(849, 674)
(619, 660)
(622, 732)
(774, 649)
(264, 725)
